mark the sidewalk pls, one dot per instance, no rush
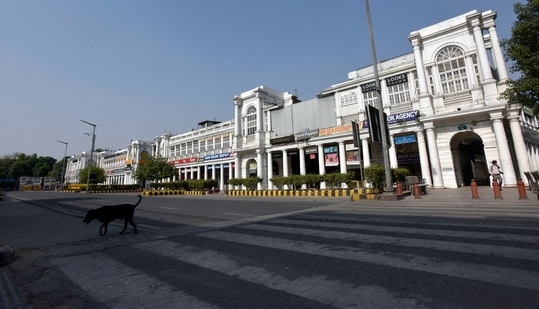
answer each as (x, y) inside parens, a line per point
(463, 195)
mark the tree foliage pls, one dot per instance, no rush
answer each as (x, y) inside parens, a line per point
(19, 164)
(97, 175)
(154, 169)
(521, 49)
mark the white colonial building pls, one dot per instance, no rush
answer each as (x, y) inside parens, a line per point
(445, 117)
(202, 153)
(119, 165)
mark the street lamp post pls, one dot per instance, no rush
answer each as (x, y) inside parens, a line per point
(380, 106)
(63, 164)
(91, 154)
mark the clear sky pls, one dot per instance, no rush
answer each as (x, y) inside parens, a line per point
(140, 68)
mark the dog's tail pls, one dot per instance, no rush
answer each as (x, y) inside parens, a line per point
(139, 199)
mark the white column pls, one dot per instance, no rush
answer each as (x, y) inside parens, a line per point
(393, 162)
(259, 168)
(237, 166)
(231, 168)
(509, 177)
(342, 158)
(423, 157)
(302, 169)
(497, 53)
(237, 115)
(270, 170)
(523, 159)
(285, 167)
(365, 149)
(321, 165)
(221, 177)
(342, 162)
(213, 171)
(436, 168)
(420, 68)
(481, 50)
(285, 163)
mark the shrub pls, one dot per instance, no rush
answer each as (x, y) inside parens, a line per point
(376, 175)
(399, 174)
(249, 183)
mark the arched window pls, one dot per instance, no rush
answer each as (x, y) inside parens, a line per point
(249, 121)
(252, 170)
(452, 69)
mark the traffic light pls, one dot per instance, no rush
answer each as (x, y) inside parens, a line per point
(355, 132)
(373, 114)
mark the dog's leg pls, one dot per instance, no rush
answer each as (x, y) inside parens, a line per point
(125, 226)
(134, 226)
(103, 229)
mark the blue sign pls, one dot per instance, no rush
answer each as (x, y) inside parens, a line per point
(407, 139)
(216, 156)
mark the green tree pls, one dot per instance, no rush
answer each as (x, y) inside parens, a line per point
(521, 49)
(5, 164)
(154, 169)
(97, 175)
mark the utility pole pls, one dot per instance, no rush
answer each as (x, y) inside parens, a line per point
(91, 154)
(378, 97)
(63, 164)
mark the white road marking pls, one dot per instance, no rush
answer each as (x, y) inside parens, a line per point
(120, 286)
(314, 287)
(499, 275)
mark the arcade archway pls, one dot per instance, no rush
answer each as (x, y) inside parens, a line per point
(469, 161)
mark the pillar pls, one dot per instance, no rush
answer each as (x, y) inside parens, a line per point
(423, 157)
(509, 177)
(321, 164)
(436, 168)
(393, 161)
(523, 160)
(497, 53)
(365, 150)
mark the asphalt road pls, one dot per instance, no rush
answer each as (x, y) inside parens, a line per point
(219, 252)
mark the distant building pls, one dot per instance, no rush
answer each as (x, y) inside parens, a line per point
(119, 165)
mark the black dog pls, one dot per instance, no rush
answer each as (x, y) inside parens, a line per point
(107, 214)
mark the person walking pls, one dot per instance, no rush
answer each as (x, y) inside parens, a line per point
(496, 172)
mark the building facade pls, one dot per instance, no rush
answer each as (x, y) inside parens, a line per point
(446, 121)
(119, 165)
(202, 153)
(445, 116)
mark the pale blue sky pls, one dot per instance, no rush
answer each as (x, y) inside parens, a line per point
(139, 68)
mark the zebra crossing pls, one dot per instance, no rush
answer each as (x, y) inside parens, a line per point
(322, 260)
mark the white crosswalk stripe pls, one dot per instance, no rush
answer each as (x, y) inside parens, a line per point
(400, 244)
(120, 286)
(315, 287)
(514, 277)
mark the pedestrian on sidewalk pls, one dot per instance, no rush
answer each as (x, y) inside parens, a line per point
(496, 172)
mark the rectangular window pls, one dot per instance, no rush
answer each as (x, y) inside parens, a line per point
(251, 124)
(349, 98)
(202, 145)
(399, 93)
(226, 142)
(370, 98)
